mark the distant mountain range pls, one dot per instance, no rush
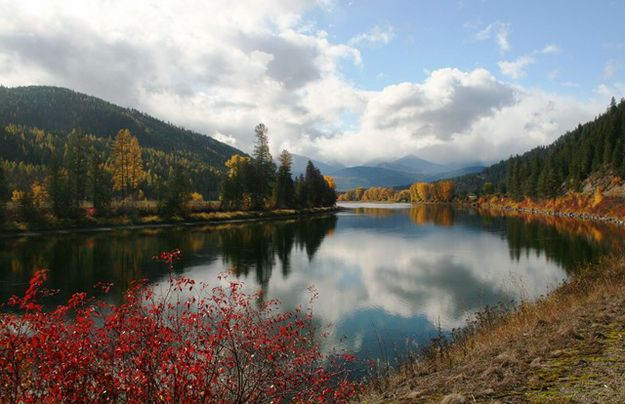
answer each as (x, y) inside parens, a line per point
(396, 173)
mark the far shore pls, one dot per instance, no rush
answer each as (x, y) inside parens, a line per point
(152, 222)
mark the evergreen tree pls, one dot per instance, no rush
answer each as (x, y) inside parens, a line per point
(101, 182)
(176, 192)
(76, 162)
(264, 169)
(4, 194)
(59, 188)
(285, 189)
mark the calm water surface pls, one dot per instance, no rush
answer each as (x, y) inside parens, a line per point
(384, 273)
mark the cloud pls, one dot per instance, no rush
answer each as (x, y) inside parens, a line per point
(610, 68)
(498, 31)
(515, 68)
(221, 67)
(373, 37)
(551, 50)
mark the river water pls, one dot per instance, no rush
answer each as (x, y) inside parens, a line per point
(385, 273)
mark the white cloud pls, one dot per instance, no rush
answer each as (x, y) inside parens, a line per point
(498, 31)
(221, 67)
(515, 68)
(228, 139)
(373, 37)
(551, 50)
(610, 68)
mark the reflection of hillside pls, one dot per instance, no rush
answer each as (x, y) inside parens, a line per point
(440, 215)
(566, 241)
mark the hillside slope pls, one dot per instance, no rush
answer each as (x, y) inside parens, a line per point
(548, 171)
(34, 122)
(59, 110)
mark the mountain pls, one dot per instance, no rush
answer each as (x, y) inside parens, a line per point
(398, 173)
(363, 176)
(300, 162)
(59, 110)
(35, 120)
(413, 164)
(597, 146)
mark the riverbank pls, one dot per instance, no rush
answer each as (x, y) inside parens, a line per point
(92, 224)
(568, 346)
(598, 206)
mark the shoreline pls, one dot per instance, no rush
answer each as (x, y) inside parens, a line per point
(582, 216)
(566, 346)
(202, 219)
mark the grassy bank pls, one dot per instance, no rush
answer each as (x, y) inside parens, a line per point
(567, 346)
(87, 223)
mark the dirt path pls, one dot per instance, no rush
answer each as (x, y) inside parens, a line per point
(570, 351)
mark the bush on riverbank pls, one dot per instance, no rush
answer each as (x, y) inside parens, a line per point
(187, 342)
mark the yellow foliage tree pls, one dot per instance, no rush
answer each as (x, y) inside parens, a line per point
(330, 181)
(235, 164)
(40, 195)
(424, 191)
(445, 190)
(126, 163)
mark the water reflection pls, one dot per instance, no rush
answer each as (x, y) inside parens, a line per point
(390, 271)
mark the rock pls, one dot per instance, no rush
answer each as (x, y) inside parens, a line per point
(454, 399)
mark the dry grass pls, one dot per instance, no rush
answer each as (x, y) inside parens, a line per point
(528, 352)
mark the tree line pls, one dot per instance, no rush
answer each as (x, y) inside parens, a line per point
(254, 183)
(86, 176)
(441, 191)
(548, 171)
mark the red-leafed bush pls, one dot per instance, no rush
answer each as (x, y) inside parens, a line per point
(186, 343)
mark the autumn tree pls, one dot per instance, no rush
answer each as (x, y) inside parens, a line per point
(284, 193)
(126, 163)
(330, 181)
(402, 196)
(421, 192)
(444, 190)
(235, 189)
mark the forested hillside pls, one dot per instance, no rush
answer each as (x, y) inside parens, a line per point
(36, 121)
(548, 171)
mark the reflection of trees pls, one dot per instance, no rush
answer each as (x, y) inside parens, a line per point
(566, 248)
(440, 215)
(256, 246)
(76, 262)
(375, 212)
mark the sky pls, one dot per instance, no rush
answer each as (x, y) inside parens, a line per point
(340, 81)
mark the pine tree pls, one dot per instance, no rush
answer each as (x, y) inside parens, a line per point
(77, 165)
(101, 182)
(4, 193)
(176, 192)
(264, 169)
(284, 193)
(59, 188)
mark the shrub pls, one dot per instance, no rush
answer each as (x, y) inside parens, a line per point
(203, 345)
